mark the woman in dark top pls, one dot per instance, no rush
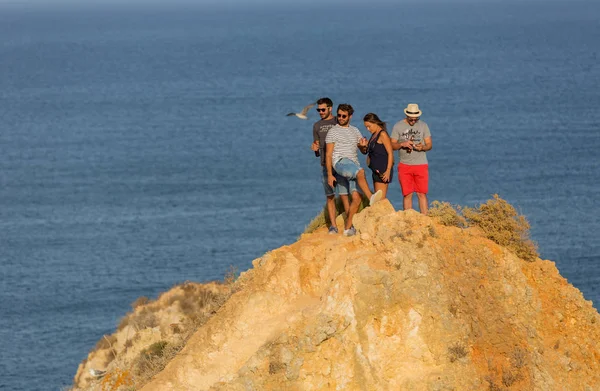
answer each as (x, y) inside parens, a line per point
(380, 157)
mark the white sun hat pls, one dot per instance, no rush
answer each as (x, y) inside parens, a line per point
(412, 110)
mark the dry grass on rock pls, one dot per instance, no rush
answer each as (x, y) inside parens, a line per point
(196, 305)
(153, 359)
(497, 219)
(447, 214)
(153, 333)
(503, 225)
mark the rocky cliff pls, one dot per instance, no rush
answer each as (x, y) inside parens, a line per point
(407, 304)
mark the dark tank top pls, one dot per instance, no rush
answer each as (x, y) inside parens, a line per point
(378, 156)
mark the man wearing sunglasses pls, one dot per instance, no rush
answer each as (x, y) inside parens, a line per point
(412, 138)
(320, 130)
(341, 155)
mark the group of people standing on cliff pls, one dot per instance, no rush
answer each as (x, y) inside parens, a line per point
(336, 142)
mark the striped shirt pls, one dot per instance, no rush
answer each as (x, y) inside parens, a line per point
(345, 140)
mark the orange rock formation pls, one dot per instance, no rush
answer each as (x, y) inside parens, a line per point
(407, 304)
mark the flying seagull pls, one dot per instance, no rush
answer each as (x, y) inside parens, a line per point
(302, 114)
(97, 372)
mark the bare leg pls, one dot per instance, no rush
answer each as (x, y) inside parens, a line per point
(346, 203)
(383, 187)
(356, 198)
(408, 201)
(331, 210)
(422, 202)
(363, 184)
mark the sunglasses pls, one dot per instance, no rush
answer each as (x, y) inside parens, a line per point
(322, 110)
(342, 115)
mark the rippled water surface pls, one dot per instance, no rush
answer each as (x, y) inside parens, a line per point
(140, 148)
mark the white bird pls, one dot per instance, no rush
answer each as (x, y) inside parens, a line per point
(302, 114)
(97, 372)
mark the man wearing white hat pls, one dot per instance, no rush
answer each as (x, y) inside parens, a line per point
(412, 138)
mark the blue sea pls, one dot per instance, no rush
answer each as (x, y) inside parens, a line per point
(143, 146)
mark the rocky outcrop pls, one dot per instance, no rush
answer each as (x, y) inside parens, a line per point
(147, 336)
(407, 304)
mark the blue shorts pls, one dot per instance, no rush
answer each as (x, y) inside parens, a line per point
(346, 171)
(329, 191)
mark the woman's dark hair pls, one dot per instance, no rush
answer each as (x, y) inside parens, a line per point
(373, 118)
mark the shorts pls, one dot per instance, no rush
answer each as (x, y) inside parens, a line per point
(345, 186)
(377, 178)
(330, 191)
(346, 171)
(413, 178)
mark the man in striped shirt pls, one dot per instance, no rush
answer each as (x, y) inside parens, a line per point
(342, 142)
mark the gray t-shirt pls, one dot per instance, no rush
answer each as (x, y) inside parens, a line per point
(402, 131)
(346, 140)
(320, 129)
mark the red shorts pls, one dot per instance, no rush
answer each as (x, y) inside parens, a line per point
(413, 178)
